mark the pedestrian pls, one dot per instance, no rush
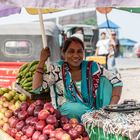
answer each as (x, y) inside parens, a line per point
(79, 32)
(102, 47)
(115, 41)
(80, 85)
(111, 59)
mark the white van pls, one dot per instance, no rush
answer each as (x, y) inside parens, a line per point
(20, 43)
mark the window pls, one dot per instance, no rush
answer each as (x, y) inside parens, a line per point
(20, 48)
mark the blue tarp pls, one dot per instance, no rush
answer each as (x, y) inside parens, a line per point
(127, 42)
(108, 24)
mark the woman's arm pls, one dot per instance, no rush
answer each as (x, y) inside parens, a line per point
(117, 84)
(116, 94)
(111, 54)
(38, 76)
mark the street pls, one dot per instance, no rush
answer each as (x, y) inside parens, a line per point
(127, 63)
(129, 69)
(131, 82)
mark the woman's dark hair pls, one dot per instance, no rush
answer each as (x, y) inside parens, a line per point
(69, 41)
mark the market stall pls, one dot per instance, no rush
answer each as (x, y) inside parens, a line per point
(27, 119)
(23, 115)
(116, 122)
(26, 115)
(39, 120)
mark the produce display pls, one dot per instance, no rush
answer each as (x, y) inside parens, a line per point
(25, 75)
(39, 120)
(10, 100)
(121, 121)
(25, 118)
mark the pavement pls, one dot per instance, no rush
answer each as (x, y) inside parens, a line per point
(131, 84)
(127, 63)
(129, 69)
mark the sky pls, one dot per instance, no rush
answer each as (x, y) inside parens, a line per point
(129, 23)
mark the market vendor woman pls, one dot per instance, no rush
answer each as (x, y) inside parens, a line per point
(80, 86)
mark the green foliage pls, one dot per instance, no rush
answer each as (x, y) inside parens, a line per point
(90, 21)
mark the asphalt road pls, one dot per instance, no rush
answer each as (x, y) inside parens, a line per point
(127, 63)
(129, 69)
(131, 84)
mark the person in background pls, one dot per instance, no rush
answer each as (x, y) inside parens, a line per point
(111, 59)
(63, 38)
(79, 33)
(80, 85)
(102, 47)
(115, 41)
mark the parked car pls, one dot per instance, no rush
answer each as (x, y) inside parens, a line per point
(137, 49)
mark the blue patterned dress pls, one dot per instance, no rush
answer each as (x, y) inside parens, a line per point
(96, 88)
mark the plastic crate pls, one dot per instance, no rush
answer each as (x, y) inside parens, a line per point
(97, 133)
(98, 59)
(95, 129)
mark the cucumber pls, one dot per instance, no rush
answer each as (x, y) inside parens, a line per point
(33, 68)
(23, 67)
(29, 74)
(29, 84)
(33, 63)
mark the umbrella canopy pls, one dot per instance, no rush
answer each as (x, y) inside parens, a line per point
(108, 24)
(8, 7)
(68, 4)
(127, 42)
(7, 10)
(131, 9)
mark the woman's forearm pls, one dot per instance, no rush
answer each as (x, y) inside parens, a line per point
(38, 76)
(116, 94)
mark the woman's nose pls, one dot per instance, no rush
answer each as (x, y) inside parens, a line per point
(75, 54)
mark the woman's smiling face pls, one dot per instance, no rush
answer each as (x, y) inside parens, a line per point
(74, 54)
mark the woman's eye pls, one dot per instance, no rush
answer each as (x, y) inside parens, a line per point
(71, 51)
(75, 51)
(80, 51)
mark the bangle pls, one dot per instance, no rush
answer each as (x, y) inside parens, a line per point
(38, 71)
(40, 68)
(116, 96)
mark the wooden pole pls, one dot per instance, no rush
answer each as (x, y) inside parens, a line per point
(44, 38)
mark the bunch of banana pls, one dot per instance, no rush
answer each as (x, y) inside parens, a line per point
(25, 75)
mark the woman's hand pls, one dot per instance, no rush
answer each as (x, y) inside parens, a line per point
(38, 76)
(45, 53)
